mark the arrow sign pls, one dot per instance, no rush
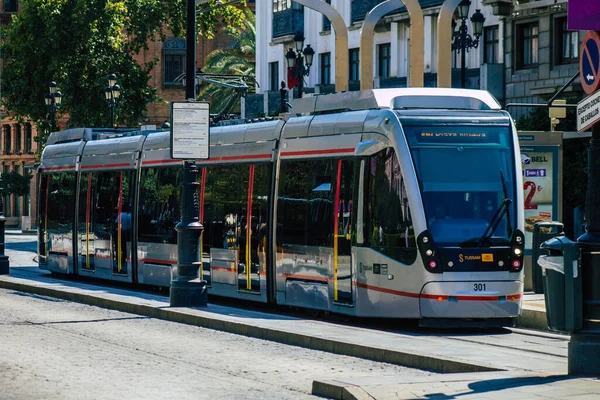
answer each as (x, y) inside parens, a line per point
(589, 62)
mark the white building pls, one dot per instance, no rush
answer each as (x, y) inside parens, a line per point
(277, 21)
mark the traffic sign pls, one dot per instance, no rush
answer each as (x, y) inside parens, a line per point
(583, 15)
(588, 112)
(589, 62)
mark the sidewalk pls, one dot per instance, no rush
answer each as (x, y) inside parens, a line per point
(484, 364)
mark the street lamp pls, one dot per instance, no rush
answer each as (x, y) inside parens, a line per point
(462, 41)
(112, 93)
(296, 63)
(53, 99)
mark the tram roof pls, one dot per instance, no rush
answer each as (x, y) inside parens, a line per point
(397, 98)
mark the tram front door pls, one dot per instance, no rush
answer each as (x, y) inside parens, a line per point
(343, 233)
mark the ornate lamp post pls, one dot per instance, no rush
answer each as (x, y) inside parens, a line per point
(112, 93)
(53, 99)
(297, 65)
(462, 41)
(4, 264)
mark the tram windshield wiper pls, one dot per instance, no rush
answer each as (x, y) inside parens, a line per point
(503, 208)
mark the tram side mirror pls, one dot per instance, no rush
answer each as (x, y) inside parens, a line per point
(368, 147)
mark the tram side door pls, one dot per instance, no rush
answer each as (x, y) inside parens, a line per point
(342, 246)
(251, 229)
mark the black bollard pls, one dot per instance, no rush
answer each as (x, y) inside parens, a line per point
(584, 346)
(187, 290)
(4, 264)
(283, 98)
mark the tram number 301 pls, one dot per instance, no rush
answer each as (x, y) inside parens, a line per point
(479, 287)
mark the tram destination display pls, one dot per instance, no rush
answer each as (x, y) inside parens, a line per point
(190, 130)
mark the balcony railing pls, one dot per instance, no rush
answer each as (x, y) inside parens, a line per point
(288, 22)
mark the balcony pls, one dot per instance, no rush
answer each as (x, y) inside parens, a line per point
(360, 8)
(289, 21)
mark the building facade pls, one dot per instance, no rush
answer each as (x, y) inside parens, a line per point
(524, 54)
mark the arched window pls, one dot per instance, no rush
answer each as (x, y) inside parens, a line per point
(7, 139)
(173, 60)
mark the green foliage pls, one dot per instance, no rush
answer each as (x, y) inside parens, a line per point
(15, 183)
(77, 43)
(238, 58)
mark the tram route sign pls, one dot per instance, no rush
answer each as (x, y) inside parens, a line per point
(588, 112)
(190, 130)
(589, 62)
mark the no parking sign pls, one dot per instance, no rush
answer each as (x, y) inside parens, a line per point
(589, 62)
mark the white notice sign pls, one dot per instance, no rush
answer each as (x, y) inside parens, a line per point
(190, 130)
(588, 112)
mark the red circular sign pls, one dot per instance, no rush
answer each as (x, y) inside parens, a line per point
(589, 62)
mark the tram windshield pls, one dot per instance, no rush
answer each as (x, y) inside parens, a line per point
(466, 174)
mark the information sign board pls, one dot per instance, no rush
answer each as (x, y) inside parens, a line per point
(190, 130)
(583, 15)
(589, 62)
(588, 112)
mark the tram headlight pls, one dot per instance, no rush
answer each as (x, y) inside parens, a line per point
(430, 255)
(518, 243)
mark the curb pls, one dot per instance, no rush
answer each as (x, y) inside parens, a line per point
(186, 316)
(339, 391)
(533, 319)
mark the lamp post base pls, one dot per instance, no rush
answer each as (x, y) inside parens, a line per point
(584, 353)
(188, 293)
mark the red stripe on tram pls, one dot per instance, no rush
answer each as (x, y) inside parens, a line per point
(98, 166)
(316, 152)
(67, 167)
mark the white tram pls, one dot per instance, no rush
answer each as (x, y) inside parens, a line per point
(394, 203)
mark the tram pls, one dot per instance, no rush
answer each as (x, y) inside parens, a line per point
(387, 203)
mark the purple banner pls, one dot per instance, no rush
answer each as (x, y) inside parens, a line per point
(583, 15)
(535, 172)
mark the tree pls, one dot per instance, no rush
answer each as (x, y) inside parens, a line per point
(15, 183)
(77, 43)
(238, 58)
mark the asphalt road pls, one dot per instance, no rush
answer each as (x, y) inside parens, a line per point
(54, 349)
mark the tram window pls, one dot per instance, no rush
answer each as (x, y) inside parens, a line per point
(104, 202)
(159, 208)
(225, 205)
(61, 201)
(305, 202)
(386, 213)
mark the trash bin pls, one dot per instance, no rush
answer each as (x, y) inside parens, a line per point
(542, 231)
(562, 284)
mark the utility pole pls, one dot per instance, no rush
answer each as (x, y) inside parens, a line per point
(584, 346)
(4, 264)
